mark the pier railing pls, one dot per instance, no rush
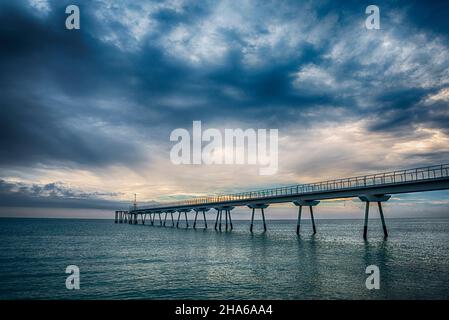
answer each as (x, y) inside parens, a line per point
(379, 179)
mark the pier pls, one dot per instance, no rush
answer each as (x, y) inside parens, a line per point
(374, 188)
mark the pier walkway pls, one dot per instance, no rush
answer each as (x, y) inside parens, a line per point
(376, 188)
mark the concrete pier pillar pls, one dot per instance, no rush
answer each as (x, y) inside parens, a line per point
(260, 206)
(196, 216)
(252, 221)
(179, 217)
(313, 219)
(298, 223)
(116, 217)
(172, 220)
(219, 218)
(365, 226)
(310, 204)
(120, 217)
(216, 219)
(374, 198)
(263, 218)
(144, 217)
(165, 218)
(154, 218)
(181, 211)
(230, 219)
(226, 218)
(160, 219)
(204, 217)
(197, 211)
(384, 227)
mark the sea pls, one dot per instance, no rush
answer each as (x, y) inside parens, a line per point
(123, 261)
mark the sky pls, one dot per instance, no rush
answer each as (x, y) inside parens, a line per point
(86, 115)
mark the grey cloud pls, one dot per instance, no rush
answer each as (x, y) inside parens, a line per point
(54, 195)
(104, 94)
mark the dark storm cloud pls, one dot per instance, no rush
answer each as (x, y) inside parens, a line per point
(428, 16)
(137, 70)
(54, 195)
(40, 63)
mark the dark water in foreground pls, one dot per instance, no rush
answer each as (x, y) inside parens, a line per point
(121, 261)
